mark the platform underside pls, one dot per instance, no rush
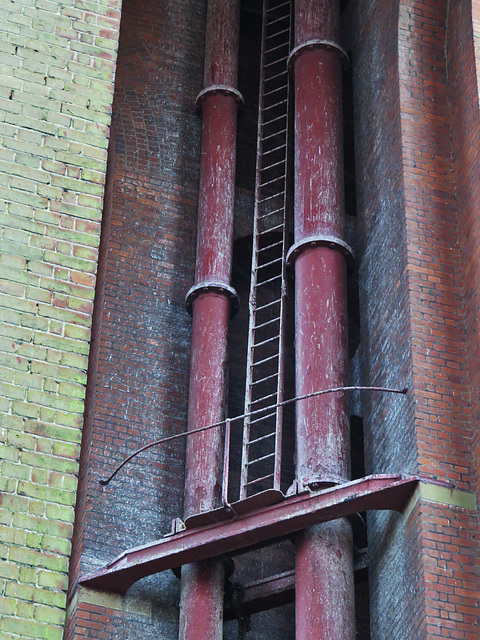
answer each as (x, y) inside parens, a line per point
(227, 532)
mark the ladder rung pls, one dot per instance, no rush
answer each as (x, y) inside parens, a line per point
(269, 435)
(273, 375)
(265, 324)
(267, 264)
(257, 364)
(265, 184)
(271, 213)
(267, 122)
(269, 455)
(270, 246)
(275, 164)
(260, 344)
(279, 6)
(270, 475)
(268, 415)
(277, 33)
(262, 233)
(270, 64)
(272, 106)
(277, 75)
(275, 195)
(270, 395)
(269, 24)
(260, 284)
(272, 135)
(282, 146)
(282, 87)
(279, 46)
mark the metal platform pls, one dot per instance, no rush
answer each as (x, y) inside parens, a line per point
(236, 533)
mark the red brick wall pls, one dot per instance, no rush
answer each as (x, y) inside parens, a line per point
(449, 554)
(434, 264)
(415, 309)
(141, 379)
(464, 107)
(441, 341)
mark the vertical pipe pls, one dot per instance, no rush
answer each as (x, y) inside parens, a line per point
(324, 554)
(209, 301)
(320, 265)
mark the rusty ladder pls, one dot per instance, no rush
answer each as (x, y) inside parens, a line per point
(262, 434)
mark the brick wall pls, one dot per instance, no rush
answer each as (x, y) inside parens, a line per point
(464, 106)
(414, 311)
(390, 444)
(139, 383)
(57, 62)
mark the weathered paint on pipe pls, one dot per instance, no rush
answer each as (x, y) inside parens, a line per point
(317, 19)
(323, 453)
(221, 43)
(319, 198)
(320, 272)
(202, 583)
(324, 584)
(211, 312)
(201, 600)
(324, 553)
(217, 189)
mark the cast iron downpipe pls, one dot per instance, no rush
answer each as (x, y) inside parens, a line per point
(210, 302)
(324, 560)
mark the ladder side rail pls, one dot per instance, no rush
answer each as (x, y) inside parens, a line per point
(259, 213)
(253, 276)
(283, 314)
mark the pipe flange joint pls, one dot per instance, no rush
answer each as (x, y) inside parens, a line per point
(216, 89)
(219, 288)
(332, 242)
(308, 45)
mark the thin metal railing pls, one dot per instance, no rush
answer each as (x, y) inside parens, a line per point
(228, 421)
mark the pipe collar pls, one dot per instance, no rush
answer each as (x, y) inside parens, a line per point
(331, 242)
(329, 45)
(216, 89)
(219, 288)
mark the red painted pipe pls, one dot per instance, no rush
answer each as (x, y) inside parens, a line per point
(324, 563)
(322, 434)
(221, 43)
(211, 313)
(201, 600)
(320, 268)
(202, 583)
(217, 189)
(324, 604)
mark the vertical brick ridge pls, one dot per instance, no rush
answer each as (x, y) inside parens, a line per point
(434, 268)
(382, 237)
(56, 87)
(390, 439)
(79, 523)
(475, 7)
(141, 378)
(441, 385)
(411, 282)
(464, 110)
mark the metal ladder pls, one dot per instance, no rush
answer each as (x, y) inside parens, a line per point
(262, 431)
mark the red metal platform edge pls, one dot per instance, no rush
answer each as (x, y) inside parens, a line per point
(376, 492)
